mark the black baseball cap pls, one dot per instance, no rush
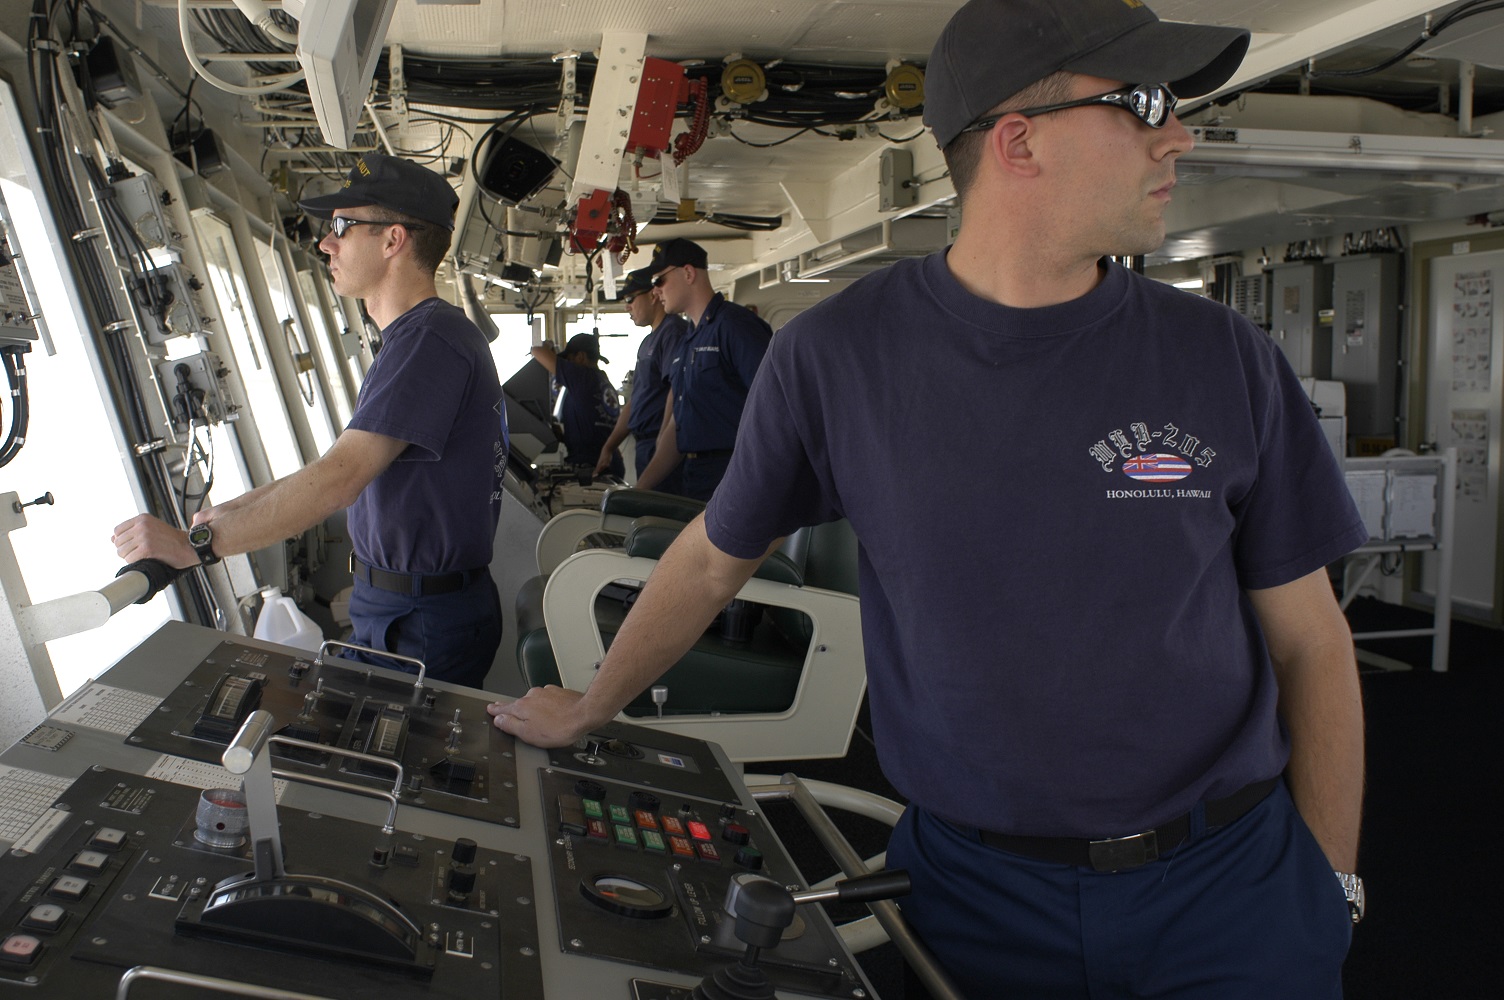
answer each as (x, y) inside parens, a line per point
(992, 49)
(638, 282)
(676, 253)
(394, 183)
(586, 342)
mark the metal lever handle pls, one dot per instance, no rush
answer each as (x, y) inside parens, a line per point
(862, 889)
(328, 644)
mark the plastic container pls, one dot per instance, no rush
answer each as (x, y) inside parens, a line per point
(281, 620)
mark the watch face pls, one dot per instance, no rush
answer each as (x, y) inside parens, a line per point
(200, 534)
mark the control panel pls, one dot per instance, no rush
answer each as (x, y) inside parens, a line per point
(452, 759)
(125, 870)
(651, 877)
(250, 835)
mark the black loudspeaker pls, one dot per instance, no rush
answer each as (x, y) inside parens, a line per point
(112, 73)
(514, 171)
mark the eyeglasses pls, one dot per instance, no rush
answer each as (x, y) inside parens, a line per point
(339, 225)
(659, 279)
(1150, 103)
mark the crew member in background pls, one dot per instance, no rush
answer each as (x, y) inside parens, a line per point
(642, 414)
(591, 404)
(1109, 672)
(709, 375)
(420, 464)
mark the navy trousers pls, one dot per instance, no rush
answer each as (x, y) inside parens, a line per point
(703, 475)
(456, 635)
(1250, 911)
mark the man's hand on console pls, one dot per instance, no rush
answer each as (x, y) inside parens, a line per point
(545, 717)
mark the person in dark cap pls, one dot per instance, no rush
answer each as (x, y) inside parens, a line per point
(642, 414)
(709, 375)
(591, 404)
(1108, 672)
(420, 463)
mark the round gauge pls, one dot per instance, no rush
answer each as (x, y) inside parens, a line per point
(625, 897)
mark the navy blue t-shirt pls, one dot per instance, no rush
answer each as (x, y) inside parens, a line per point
(433, 385)
(1059, 510)
(712, 372)
(650, 379)
(590, 410)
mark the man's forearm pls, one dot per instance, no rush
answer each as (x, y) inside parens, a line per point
(1321, 703)
(691, 584)
(295, 503)
(665, 452)
(1324, 713)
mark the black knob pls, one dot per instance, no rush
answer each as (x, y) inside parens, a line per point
(461, 880)
(728, 810)
(644, 800)
(749, 858)
(763, 911)
(735, 833)
(464, 851)
(587, 789)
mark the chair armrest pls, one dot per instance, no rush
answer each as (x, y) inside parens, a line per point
(650, 503)
(650, 537)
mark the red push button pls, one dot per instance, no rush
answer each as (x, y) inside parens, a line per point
(698, 830)
(597, 829)
(20, 949)
(708, 852)
(681, 847)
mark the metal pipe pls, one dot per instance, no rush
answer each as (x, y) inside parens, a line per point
(230, 986)
(918, 957)
(1466, 72)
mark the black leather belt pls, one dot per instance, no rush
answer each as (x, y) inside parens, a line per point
(413, 584)
(1118, 853)
(717, 453)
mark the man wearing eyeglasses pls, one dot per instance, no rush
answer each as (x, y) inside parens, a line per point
(419, 466)
(642, 415)
(1107, 669)
(709, 375)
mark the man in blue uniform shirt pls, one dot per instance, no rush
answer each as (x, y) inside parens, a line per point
(419, 464)
(642, 415)
(591, 404)
(709, 375)
(1110, 675)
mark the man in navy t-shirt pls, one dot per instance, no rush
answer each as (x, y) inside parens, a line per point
(642, 415)
(1110, 675)
(591, 404)
(709, 374)
(419, 466)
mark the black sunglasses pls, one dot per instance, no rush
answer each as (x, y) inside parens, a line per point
(659, 279)
(340, 225)
(1150, 103)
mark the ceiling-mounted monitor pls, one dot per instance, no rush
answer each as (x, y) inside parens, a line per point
(339, 42)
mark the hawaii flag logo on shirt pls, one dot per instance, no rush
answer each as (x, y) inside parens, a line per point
(1156, 468)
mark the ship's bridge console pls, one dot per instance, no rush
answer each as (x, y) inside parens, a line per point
(223, 816)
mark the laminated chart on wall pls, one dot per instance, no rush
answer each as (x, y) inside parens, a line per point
(1470, 438)
(1472, 331)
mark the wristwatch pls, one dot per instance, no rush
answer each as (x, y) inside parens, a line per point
(201, 537)
(1352, 888)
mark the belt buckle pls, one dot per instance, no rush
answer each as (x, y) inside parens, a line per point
(1116, 854)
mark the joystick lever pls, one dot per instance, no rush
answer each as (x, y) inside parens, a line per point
(245, 756)
(765, 909)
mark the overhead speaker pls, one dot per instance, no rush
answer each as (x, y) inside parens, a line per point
(514, 171)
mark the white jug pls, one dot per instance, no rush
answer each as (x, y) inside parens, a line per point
(281, 620)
